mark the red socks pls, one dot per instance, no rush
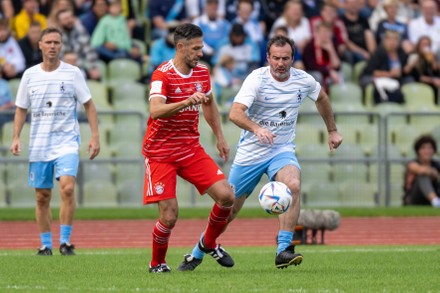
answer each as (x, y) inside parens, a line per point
(161, 235)
(218, 219)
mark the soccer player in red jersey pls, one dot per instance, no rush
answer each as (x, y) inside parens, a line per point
(179, 87)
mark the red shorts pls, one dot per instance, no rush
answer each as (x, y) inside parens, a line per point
(160, 178)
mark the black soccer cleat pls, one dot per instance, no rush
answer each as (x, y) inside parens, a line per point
(189, 263)
(44, 251)
(288, 257)
(160, 268)
(218, 253)
(67, 249)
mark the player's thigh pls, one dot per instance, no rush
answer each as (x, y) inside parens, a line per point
(243, 179)
(159, 181)
(202, 172)
(285, 168)
(41, 174)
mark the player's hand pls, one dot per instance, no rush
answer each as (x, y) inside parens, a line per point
(223, 149)
(15, 147)
(264, 135)
(334, 140)
(197, 99)
(93, 148)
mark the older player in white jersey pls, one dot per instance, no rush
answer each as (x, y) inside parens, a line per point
(51, 90)
(266, 108)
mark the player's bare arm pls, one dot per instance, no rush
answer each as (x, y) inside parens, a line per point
(212, 116)
(19, 119)
(160, 109)
(94, 146)
(241, 119)
(325, 110)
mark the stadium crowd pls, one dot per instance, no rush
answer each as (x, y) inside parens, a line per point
(379, 45)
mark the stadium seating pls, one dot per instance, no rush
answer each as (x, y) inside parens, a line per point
(357, 70)
(347, 93)
(3, 190)
(100, 95)
(404, 139)
(125, 171)
(354, 193)
(14, 83)
(347, 71)
(349, 151)
(322, 194)
(99, 193)
(96, 170)
(416, 93)
(311, 172)
(313, 151)
(122, 70)
(350, 172)
(130, 192)
(21, 195)
(308, 134)
(127, 92)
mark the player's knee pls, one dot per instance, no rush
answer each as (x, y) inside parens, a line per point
(226, 199)
(68, 190)
(294, 187)
(43, 197)
(169, 220)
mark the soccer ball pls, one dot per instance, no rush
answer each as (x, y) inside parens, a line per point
(275, 198)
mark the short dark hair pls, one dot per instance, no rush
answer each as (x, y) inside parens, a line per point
(187, 31)
(424, 139)
(280, 41)
(50, 30)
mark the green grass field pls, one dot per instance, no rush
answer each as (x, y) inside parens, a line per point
(324, 269)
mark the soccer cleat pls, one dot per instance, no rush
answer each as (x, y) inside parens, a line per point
(160, 268)
(67, 249)
(189, 263)
(218, 253)
(44, 251)
(288, 257)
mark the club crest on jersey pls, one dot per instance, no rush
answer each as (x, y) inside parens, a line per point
(199, 87)
(159, 187)
(62, 89)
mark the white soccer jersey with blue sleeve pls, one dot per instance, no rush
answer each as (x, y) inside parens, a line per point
(273, 105)
(51, 98)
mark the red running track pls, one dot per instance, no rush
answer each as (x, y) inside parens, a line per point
(242, 232)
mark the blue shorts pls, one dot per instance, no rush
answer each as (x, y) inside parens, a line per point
(245, 178)
(41, 173)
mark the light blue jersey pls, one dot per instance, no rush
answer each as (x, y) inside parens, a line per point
(52, 98)
(273, 105)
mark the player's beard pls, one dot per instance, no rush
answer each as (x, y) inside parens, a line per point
(280, 75)
(191, 63)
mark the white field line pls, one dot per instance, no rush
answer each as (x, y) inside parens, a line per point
(305, 249)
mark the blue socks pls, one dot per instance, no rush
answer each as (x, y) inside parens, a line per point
(46, 239)
(197, 253)
(65, 232)
(284, 240)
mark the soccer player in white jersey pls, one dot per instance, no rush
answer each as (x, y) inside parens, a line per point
(51, 90)
(266, 108)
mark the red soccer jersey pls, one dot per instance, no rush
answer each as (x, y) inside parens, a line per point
(176, 137)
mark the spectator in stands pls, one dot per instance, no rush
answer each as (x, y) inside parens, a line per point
(360, 43)
(244, 50)
(390, 22)
(312, 7)
(251, 26)
(77, 40)
(165, 13)
(111, 38)
(55, 7)
(22, 21)
(329, 16)
(6, 102)
(425, 65)
(232, 8)
(422, 185)
(272, 10)
(224, 79)
(428, 24)
(91, 18)
(320, 57)
(215, 29)
(405, 12)
(162, 50)
(388, 69)
(7, 9)
(196, 8)
(29, 45)
(11, 58)
(297, 25)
